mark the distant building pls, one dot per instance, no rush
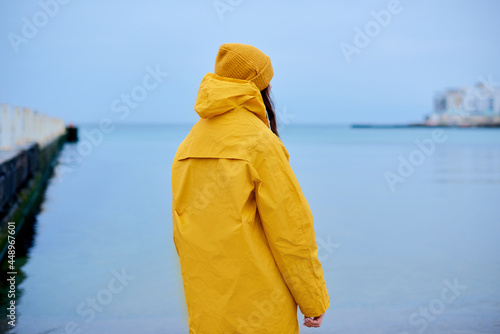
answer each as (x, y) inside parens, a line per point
(468, 106)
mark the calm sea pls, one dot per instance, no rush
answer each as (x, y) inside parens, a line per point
(407, 223)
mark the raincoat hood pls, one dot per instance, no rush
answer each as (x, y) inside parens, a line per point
(218, 95)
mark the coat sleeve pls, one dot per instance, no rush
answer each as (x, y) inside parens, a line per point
(288, 224)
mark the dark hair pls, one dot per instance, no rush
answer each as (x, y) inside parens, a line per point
(266, 96)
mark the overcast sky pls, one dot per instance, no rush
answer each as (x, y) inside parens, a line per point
(333, 61)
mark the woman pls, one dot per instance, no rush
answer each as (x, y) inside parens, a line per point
(241, 225)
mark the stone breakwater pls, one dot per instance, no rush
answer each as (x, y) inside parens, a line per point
(23, 177)
(29, 144)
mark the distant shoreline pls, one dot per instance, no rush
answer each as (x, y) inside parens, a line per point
(399, 126)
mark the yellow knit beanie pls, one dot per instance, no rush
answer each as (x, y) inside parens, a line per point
(246, 62)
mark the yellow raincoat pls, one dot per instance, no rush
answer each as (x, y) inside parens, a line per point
(241, 225)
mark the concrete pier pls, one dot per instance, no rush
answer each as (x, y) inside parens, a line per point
(29, 144)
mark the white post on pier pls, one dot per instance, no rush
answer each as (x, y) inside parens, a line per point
(28, 125)
(43, 128)
(36, 127)
(18, 127)
(5, 128)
